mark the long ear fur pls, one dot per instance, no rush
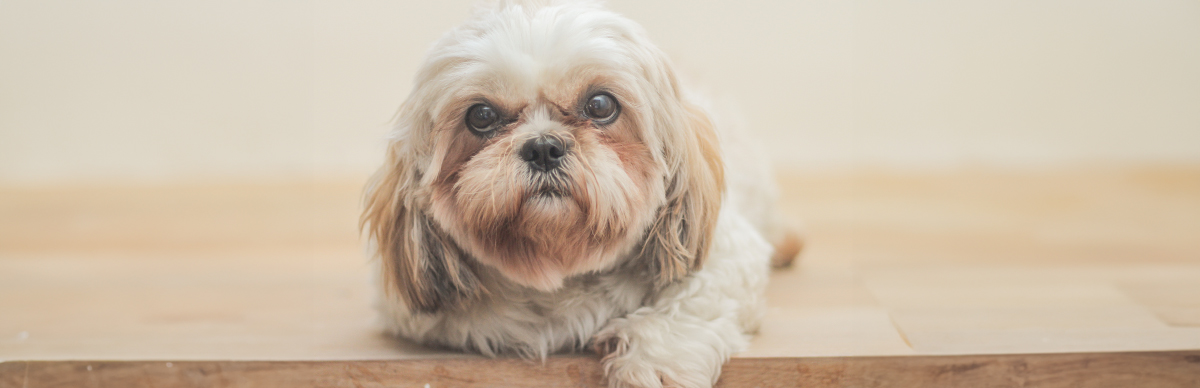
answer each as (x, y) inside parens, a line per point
(677, 243)
(421, 264)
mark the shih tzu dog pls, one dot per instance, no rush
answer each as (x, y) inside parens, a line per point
(551, 186)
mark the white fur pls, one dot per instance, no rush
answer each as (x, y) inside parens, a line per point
(677, 335)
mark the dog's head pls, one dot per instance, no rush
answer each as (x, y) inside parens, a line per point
(543, 142)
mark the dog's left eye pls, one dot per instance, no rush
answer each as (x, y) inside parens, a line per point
(481, 118)
(602, 108)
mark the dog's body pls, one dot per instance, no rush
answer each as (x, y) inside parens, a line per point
(551, 187)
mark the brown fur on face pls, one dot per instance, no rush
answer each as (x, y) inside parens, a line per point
(538, 228)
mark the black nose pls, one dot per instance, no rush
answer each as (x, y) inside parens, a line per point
(544, 153)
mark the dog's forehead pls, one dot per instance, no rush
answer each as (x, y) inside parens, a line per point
(545, 54)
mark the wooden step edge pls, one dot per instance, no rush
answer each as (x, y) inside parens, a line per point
(1123, 369)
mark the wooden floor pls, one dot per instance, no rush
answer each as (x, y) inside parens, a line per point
(1080, 277)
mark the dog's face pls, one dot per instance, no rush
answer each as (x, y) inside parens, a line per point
(543, 175)
(544, 143)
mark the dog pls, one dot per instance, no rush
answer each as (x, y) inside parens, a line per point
(551, 186)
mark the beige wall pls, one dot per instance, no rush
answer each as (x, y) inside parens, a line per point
(149, 90)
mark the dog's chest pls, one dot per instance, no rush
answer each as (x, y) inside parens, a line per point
(525, 321)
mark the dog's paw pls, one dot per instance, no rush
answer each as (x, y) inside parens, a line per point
(647, 354)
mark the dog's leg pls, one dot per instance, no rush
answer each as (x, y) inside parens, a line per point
(683, 337)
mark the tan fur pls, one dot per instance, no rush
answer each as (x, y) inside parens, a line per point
(421, 266)
(678, 242)
(787, 249)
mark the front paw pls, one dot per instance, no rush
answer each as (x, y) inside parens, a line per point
(645, 352)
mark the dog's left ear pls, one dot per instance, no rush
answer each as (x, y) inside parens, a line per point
(421, 264)
(677, 243)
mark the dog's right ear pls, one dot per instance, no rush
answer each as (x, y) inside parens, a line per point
(421, 264)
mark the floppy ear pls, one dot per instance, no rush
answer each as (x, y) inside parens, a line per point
(678, 241)
(421, 264)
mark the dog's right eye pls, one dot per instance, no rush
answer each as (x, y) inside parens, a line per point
(481, 118)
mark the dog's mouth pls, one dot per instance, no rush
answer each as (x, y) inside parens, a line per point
(552, 185)
(550, 205)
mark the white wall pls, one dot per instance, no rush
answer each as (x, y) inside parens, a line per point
(150, 90)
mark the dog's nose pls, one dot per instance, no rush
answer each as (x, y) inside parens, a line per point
(544, 153)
